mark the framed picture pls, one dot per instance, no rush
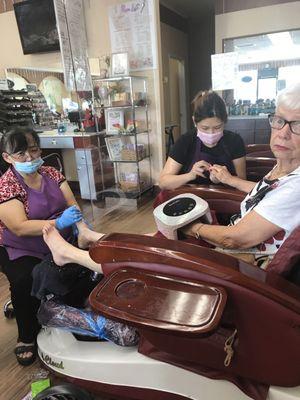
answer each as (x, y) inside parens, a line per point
(114, 147)
(114, 121)
(119, 64)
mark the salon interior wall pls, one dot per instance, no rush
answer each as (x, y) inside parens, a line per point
(201, 47)
(97, 24)
(11, 50)
(174, 46)
(190, 38)
(270, 18)
(97, 27)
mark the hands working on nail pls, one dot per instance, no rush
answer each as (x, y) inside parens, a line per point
(200, 168)
(220, 174)
(216, 173)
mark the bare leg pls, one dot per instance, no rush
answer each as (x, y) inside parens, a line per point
(86, 236)
(64, 253)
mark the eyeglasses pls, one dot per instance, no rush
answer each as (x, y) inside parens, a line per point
(21, 155)
(277, 122)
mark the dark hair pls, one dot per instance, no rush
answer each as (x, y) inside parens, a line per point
(208, 104)
(15, 140)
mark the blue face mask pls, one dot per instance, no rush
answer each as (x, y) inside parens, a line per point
(28, 167)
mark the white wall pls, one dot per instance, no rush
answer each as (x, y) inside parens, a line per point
(274, 18)
(97, 26)
(96, 16)
(11, 54)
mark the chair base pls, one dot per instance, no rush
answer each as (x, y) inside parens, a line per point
(103, 367)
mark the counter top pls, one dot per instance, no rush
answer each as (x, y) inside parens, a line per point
(54, 133)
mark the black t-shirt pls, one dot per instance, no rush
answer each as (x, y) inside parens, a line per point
(185, 147)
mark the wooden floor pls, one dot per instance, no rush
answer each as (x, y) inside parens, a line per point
(14, 379)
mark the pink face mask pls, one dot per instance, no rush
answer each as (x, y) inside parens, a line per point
(209, 138)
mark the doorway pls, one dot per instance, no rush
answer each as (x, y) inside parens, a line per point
(178, 100)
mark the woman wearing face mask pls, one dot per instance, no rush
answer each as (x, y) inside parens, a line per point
(31, 195)
(207, 144)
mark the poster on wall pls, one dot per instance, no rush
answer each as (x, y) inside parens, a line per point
(64, 42)
(132, 31)
(224, 70)
(73, 44)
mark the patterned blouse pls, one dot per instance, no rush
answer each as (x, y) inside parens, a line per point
(10, 188)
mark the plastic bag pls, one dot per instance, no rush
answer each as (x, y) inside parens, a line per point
(85, 322)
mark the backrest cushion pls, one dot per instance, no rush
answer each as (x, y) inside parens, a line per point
(287, 256)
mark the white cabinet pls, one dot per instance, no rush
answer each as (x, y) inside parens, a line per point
(57, 142)
(94, 175)
(89, 172)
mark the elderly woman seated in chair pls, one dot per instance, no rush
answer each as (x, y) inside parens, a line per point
(269, 212)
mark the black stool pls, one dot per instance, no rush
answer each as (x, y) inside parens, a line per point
(7, 307)
(169, 132)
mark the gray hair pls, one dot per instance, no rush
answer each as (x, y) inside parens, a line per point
(289, 97)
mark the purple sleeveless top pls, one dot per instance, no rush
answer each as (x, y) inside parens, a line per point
(223, 159)
(44, 204)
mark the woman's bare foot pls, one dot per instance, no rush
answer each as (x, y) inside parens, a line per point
(65, 253)
(86, 236)
(61, 250)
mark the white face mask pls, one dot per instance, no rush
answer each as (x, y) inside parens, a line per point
(209, 138)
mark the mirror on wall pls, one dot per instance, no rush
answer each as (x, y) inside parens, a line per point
(267, 63)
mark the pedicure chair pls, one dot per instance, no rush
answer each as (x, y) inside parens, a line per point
(211, 326)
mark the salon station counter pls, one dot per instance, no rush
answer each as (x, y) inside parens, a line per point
(83, 154)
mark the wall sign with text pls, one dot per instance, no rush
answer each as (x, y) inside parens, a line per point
(132, 31)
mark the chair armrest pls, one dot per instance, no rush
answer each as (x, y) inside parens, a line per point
(114, 251)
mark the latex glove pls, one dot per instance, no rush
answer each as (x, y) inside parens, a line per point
(68, 218)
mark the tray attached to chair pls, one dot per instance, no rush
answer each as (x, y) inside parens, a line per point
(159, 301)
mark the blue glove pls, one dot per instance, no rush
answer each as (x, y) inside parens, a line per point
(68, 218)
(75, 229)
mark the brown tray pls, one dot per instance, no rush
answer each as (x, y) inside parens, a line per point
(152, 299)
